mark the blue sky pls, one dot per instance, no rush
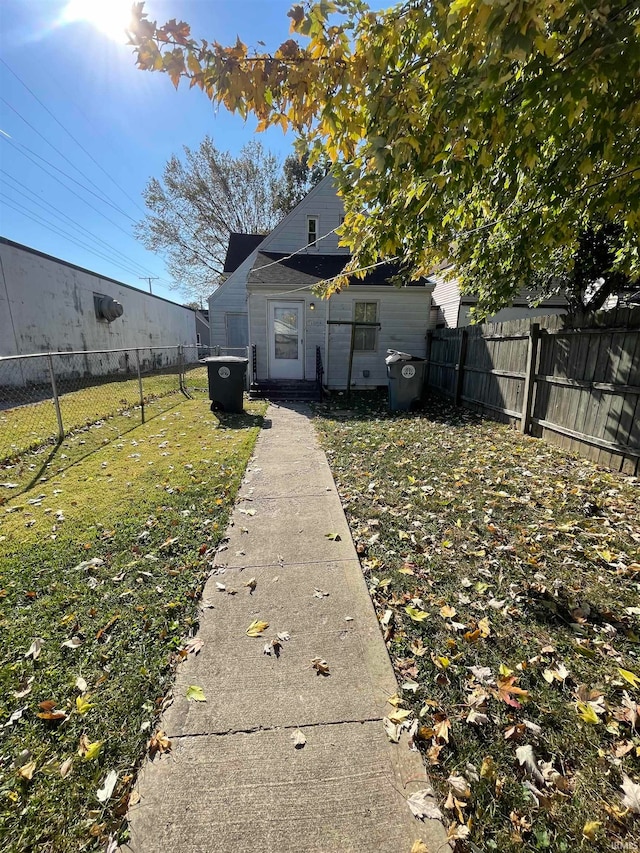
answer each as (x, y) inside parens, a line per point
(129, 122)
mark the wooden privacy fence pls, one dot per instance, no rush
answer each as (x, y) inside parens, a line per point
(574, 381)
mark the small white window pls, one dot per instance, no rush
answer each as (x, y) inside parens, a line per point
(365, 338)
(312, 230)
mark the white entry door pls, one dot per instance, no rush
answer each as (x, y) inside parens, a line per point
(286, 351)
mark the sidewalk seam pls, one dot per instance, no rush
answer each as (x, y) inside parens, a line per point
(284, 727)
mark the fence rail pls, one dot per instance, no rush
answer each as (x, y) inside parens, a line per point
(574, 381)
(45, 396)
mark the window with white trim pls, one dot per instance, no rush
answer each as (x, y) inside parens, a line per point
(365, 339)
(312, 230)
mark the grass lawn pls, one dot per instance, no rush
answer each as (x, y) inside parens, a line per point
(505, 574)
(101, 566)
(26, 427)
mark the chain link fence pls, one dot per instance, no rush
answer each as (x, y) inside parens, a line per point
(44, 397)
(195, 373)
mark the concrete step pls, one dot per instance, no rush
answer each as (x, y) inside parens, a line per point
(285, 390)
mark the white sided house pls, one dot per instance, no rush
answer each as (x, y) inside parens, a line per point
(295, 337)
(453, 308)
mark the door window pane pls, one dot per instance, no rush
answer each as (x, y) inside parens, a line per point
(285, 328)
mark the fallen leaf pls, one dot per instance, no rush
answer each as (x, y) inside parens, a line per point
(587, 713)
(220, 587)
(321, 666)
(488, 768)
(319, 593)
(88, 750)
(104, 793)
(631, 797)
(65, 767)
(447, 612)
(459, 786)
(298, 739)
(631, 677)
(419, 847)
(73, 643)
(399, 715)
(252, 583)
(35, 648)
(423, 805)
(334, 537)
(590, 829)
(416, 614)
(134, 799)
(159, 743)
(83, 705)
(410, 686)
(81, 684)
(27, 771)
(527, 759)
(195, 694)
(284, 636)
(392, 730)
(256, 628)
(24, 688)
(194, 645)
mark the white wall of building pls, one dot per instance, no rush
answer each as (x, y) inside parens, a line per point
(48, 305)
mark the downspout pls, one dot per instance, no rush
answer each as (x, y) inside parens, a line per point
(326, 342)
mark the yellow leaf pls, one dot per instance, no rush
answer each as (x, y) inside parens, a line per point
(587, 713)
(488, 768)
(256, 628)
(485, 627)
(447, 612)
(419, 847)
(321, 666)
(416, 614)
(89, 750)
(399, 715)
(27, 770)
(82, 704)
(631, 677)
(395, 700)
(504, 670)
(590, 829)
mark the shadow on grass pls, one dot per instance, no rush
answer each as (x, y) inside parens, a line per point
(374, 405)
(244, 420)
(62, 456)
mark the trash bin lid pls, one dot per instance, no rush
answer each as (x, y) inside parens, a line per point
(224, 359)
(394, 355)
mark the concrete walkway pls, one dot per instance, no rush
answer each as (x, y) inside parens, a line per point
(234, 781)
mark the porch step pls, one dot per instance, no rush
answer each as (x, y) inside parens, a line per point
(286, 389)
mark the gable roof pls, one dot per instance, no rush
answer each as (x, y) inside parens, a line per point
(308, 269)
(239, 248)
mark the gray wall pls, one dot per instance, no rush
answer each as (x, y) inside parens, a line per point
(47, 305)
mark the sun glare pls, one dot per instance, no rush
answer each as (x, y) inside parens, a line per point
(110, 17)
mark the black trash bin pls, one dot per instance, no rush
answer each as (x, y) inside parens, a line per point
(406, 379)
(226, 381)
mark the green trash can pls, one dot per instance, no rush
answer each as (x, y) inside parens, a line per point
(406, 379)
(226, 381)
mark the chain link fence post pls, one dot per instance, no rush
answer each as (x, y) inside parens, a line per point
(140, 389)
(54, 394)
(181, 370)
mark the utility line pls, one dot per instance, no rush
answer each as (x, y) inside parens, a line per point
(20, 145)
(34, 217)
(77, 195)
(57, 150)
(41, 201)
(70, 135)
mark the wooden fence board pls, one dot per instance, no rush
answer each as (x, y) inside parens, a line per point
(583, 390)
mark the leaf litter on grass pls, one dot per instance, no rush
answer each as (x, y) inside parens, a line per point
(87, 667)
(525, 562)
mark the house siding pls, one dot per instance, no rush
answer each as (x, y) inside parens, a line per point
(446, 296)
(229, 298)
(322, 202)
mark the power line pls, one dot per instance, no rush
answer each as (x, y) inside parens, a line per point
(70, 135)
(34, 217)
(20, 145)
(40, 201)
(48, 141)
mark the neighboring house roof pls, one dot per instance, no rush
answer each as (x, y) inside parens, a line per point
(306, 269)
(239, 248)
